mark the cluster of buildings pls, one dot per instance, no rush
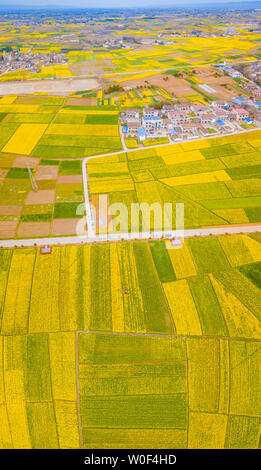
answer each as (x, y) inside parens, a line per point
(113, 43)
(254, 70)
(251, 71)
(187, 121)
(15, 60)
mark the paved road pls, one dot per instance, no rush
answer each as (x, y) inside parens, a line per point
(91, 237)
(125, 149)
(116, 237)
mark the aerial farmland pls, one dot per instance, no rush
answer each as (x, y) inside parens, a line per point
(119, 333)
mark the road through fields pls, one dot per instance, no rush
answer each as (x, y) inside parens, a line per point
(92, 237)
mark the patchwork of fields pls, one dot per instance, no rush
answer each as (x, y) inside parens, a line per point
(189, 51)
(52, 210)
(217, 179)
(197, 388)
(45, 127)
(52, 137)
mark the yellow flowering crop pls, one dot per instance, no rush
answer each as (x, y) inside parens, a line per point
(117, 291)
(182, 262)
(182, 307)
(25, 139)
(210, 177)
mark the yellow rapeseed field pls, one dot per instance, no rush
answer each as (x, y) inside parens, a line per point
(105, 185)
(134, 318)
(253, 246)
(210, 177)
(44, 311)
(7, 100)
(116, 288)
(199, 144)
(5, 435)
(182, 157)
(183, 308)
(63, 364)
(75, 281)
(25, 138)
(97, 168)
(233, 216)
(83, 129)
(203, 374)
(19, 108)
(241, 322)
(224, 376)
(18, 425)
(182, 262)
(207, 431)
(66, 413)
(169, 149)
(236, 250)
(18, 293)
(85, 111)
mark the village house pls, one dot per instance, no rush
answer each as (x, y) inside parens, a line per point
(189, 121)
(196, 119)
(183, 107)
(199, 108)
(241, 114)
(209, 118)
(167, 124)
(221, 114)
(151, 122)
(250, 86)
(168, 107)
(220, 104)
(203, 130)
(178, 117)
(231, 116)
(190, 129)
(234, 73)
(240, 101)
(131, 129)
(131, 115)
(150, 112)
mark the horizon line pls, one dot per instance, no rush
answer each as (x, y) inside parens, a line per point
(153, 6)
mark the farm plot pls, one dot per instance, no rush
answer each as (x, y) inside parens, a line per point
(140, 372)
(25, 139)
